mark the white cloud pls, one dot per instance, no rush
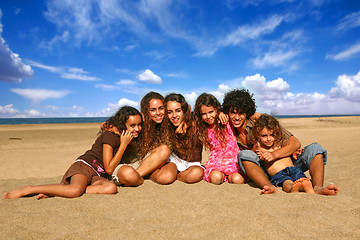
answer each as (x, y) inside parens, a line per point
(275, 97)
(89, 21)
(349, 53)
(67, 72)
(106, 87)
(258, 84)
(350, 21)
(12, 69)
(112, 108)
(274, 59)
(281, 52)
(8, 110)
(347, 87)
(38, 95)
(53, 108)
(150, 77)
(254, 31)
(190, 98)
(126, 82)
(34, 113)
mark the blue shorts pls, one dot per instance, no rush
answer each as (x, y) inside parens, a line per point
(303, 161)
(289, 173)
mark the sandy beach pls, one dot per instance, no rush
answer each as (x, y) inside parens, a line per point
(40, 154)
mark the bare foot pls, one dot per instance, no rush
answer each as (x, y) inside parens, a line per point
(329, 190)
(41, 196)
(16, 193)
(307, 185)
(296, 186)
(269, 190)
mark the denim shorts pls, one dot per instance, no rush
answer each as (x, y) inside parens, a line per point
(303, 161)
(289, 173)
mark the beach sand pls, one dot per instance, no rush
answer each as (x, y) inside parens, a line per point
(40, 154)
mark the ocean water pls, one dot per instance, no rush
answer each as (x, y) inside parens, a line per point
(8, 121)
(11, 121)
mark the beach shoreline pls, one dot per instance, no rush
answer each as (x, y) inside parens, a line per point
(41, 153)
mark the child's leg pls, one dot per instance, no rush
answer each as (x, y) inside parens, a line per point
(165, 175)
(154, 161)
(236, 178)
(129, 177)
(296, 186)
(100, 185)
(307, 185)
(76, 188)
(193, 174)
(216, 177)
(288, 186)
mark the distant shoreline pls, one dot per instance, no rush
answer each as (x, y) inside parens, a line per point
(59, 120)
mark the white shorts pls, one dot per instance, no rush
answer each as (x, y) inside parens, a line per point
(114, 176)
(182, 165)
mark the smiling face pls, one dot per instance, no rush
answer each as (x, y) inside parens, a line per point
(157, 110)
(208, 114)
(175, 112)
(133, 125)
(267, 138)
(237, 119)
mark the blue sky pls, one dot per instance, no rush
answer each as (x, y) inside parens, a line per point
(87, 57)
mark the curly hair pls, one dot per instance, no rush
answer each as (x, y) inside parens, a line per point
(208, 100)
(240, 100)
(119, 120)
(153, 134)
(270, 123)
(181, 143)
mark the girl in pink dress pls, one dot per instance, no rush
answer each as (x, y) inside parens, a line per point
(222, 164)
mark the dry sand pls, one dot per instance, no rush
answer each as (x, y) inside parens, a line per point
(40, 154)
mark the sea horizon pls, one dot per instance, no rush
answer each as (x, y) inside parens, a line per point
(59, 120)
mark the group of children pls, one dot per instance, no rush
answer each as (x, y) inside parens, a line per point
(164, 143)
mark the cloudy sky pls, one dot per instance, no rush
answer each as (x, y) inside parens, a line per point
(88, 57)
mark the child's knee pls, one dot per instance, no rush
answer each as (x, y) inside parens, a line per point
(164, 152)
(216, 177)
(165, 178)
(128, 175)
(110, 188)
(73, 191)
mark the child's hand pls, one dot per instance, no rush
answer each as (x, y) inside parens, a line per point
(181, 129)
(126, 137)
(255, 116)
(266, 155)
(224, 118)
(297, 153)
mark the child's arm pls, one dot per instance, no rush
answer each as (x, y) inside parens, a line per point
(286, 151)
(255, 116)
(224, 118)
(297, 153)
(181, 129)
(110, 161)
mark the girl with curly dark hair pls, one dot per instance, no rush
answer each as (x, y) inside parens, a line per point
(222, 164)
(185, 159)
(91, 171)
(155, 149)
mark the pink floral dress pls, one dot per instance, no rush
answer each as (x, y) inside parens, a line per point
(220, 158)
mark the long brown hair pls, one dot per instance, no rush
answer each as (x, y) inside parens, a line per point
(153, 134)
(208, 100)
(119, 119)
(181, 143)
(270, 123)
